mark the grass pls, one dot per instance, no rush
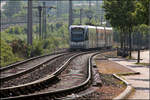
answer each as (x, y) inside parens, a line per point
(129, 58)
(109, 79)
(144, 64)
(126, 74)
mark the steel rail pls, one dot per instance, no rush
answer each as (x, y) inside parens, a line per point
(12, 90)
(27, 60)
(2, 79)
(2, 90)
(61, 92)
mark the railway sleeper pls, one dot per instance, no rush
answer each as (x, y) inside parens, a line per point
(37, 87)
(58, 95)
(5, 94)
(46, 98)
(30, 89)
(35, 98)
(14, 92)
(11, 93)
(40, 85)
(26, 90)
(33, 87)
(21, 90)
(43, 85)
(52, 97)
(66, 93)
(41, 98)
(8, 93)
(75, 91)
(46, 85)
(80, 89)
(63, 94)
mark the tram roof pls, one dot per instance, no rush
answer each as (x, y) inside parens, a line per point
(88, 26)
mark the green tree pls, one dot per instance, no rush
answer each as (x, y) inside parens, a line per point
(142, 11)
(120, 15)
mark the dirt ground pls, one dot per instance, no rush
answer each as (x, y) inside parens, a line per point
(111, 87)
(110, 67)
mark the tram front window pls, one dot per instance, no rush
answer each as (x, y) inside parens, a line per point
(77, 34)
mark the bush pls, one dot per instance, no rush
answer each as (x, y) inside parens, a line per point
(7, 56)
(16, 30)
(37, 49)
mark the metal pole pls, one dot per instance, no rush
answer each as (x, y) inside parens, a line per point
(70, 12)
(90, 4)
(138, 60)
(101, 15)
(97, 35)
(149, 46)
(57, 9)
(0, 21)
(29, 24)
(81, 16)
(149, 34)
(105, 36)
(44, 20)
(40, 31)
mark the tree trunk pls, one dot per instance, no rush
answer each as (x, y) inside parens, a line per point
(138, 59)
(121, 40)
(124, 43)
(130, 44)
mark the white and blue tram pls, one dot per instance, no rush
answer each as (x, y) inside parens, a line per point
(88, 37)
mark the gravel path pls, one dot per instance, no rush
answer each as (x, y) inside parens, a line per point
(139, 82)
(144, 56)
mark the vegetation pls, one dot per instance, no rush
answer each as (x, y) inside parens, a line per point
(7, 55)
(14, 45)
(128, 17)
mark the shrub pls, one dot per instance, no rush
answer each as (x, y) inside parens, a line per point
(7, 56)
(37, 49)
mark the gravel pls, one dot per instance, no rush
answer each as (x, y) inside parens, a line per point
(41, 72)
(111, 87)
(25, 66)
(73, 75)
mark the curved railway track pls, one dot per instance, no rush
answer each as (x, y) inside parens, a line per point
(37, 72)
(27, 91)
(31, 59)
(32, 79)
(23, 67)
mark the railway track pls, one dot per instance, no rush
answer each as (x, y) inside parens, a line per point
(33, 58)
(44, 89)
(37, 72)
(23, 67)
